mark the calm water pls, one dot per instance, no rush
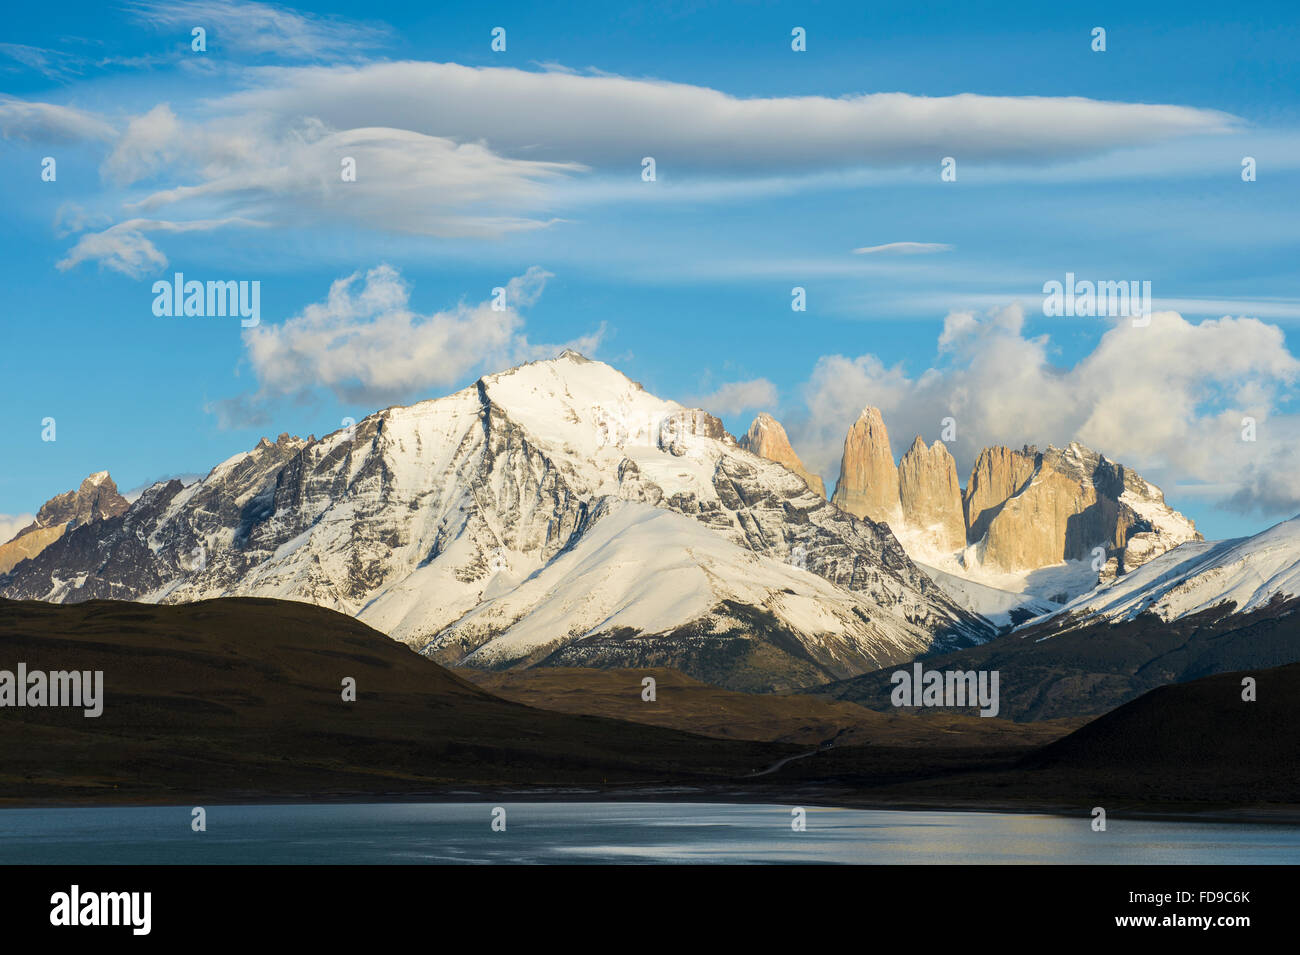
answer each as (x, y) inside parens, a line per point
(614, 832)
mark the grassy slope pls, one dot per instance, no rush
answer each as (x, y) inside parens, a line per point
(688, 704)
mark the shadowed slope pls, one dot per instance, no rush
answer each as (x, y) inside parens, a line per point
(238, 697)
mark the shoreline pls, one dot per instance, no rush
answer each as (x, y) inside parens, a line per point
(1285, 815)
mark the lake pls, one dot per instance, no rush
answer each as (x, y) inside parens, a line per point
(615, 832)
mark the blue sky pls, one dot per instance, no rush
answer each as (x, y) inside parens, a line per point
(773, 166)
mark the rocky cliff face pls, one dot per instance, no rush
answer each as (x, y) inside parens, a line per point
(868, 482)
(997, 475)
(930, 495)
(96, 499)
(1077, 505)
(1050, 519)
(767, 438)
(554, 514)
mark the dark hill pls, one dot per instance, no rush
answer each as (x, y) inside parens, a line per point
(241, 697)
(1202, 733)
(1184, 748)
(239, 700)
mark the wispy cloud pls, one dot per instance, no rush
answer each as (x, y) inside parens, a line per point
(292, 176)
(450, 151)
(124, 248)
(50, 63)
(262, 28)
(50, 122)
(601, 120)
(904, 248)
(1285, 310)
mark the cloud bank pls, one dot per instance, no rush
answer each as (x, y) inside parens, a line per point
(614, 121)
(453, 151)
(1168, 399)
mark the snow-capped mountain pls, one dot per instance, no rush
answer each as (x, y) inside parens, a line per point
(1239, 576)
(554, 513)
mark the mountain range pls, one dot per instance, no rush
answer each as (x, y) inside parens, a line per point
(559, 515)
(556, 514)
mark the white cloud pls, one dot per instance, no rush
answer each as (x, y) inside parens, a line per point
(904, 248)
(119, 248)
(11, 524)
(1167, 400)
(405, 182)
(1278, 309)
(150, 142)
(737, 396)
(71, 218)
(265, 173)
(1275, 308)
(365, 345)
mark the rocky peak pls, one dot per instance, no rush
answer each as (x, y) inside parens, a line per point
(281, 441)
(930, 495)
(678, 428)
(868, 481)
(96, 499)
(767, 438)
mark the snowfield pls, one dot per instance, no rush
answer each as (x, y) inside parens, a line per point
(1249, 572)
